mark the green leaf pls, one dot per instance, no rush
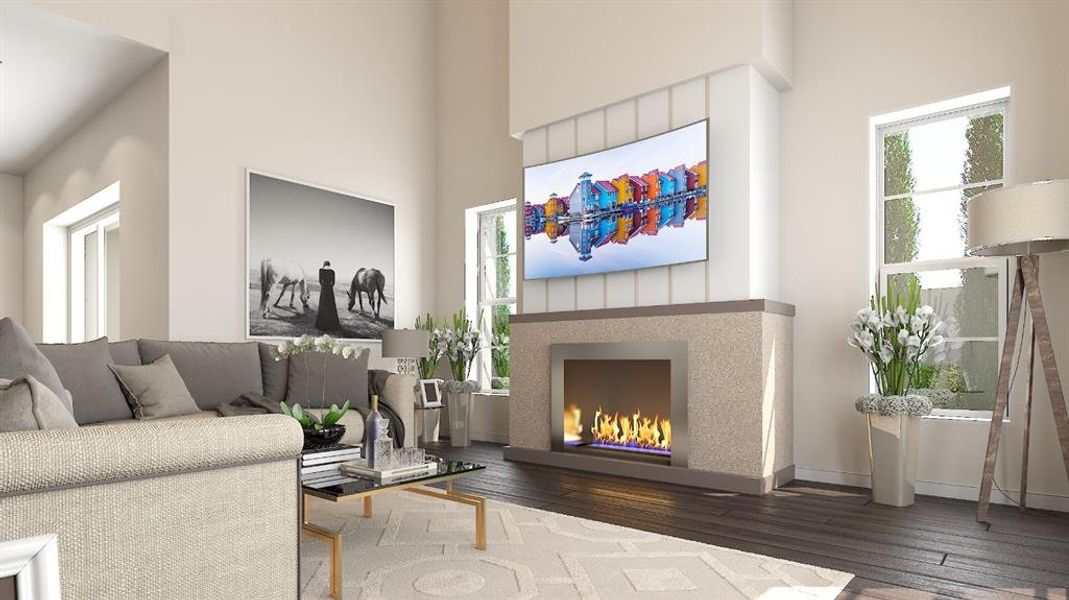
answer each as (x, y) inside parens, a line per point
(285, 409)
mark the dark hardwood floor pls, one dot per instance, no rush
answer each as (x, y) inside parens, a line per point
(934, 549)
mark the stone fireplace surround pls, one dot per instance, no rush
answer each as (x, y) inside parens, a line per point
(739, 405)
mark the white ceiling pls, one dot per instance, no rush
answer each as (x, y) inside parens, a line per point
(56, 74)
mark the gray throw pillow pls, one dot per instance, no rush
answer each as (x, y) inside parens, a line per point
(155, 390)
(26, 405)
(345, 379)
(83, 368)
(19, 356)
(275, 373)
(125, 353)
(215, 373)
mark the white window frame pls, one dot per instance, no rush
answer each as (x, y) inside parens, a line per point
(100, 223)
(477, 287)
(977, 105)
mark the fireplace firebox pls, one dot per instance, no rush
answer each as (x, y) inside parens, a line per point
(621, 400)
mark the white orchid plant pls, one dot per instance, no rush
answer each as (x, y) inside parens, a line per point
(323, 344)
(461, 344)
(893, 333)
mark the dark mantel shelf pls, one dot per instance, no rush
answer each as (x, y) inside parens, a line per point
(664, 310)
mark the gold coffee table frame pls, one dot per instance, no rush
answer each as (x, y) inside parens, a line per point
(416, 487)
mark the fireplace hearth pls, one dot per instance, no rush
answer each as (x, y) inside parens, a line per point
(621, 400)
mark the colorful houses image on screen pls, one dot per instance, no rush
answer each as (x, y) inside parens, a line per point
(603, 212)
(610, 210)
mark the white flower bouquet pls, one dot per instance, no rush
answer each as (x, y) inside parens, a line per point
(461, 343)
(893, 333)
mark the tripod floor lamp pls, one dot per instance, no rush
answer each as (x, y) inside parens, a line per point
(1022, 221)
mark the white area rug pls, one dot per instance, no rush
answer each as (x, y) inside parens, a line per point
(422, 548)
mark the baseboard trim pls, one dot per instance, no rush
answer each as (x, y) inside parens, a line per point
(935, 488)
(626, 468)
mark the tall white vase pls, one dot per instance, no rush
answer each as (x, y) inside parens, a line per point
(459, 413)
(893, 446)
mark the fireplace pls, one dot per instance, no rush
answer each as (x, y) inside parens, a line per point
(621, 400)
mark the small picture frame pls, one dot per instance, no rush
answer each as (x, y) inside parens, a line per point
(430, 393)
(34, 563)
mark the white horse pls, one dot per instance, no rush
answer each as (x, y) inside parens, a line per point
(287, 275)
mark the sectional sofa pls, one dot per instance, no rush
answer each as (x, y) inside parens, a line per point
(193, 506)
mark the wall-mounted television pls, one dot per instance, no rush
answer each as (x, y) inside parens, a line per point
(640, 205)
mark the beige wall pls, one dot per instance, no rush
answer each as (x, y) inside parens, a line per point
(10, 246)
(124, 142)
(478, 163)
(857, 60)
(340, 94)
(569, 58)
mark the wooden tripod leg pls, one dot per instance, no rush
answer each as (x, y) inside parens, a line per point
(1046, 354)
(1028, 420)
(1002, 394)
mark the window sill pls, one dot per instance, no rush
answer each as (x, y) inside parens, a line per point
(978, 418)
(502, 393)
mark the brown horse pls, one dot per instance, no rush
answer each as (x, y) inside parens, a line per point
(370, 282)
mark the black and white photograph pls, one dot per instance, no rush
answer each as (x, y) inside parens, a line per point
(319, 261)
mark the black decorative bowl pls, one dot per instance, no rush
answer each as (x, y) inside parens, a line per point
(323, 437)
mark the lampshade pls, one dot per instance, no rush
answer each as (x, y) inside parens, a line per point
(1023, 219)
(405, 343)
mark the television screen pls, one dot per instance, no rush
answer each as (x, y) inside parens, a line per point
(644, 204)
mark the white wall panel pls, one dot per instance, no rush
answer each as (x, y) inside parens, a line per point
(533, 293)
(560, 294)
(729, 194)
(561, 142)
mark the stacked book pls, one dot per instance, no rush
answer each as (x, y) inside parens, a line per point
(359, 468)
(322, 464)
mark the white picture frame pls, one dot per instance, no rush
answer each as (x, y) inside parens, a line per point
(430, 393)
(255, 325)
(34, 563)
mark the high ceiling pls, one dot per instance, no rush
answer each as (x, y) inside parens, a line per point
(56, 74)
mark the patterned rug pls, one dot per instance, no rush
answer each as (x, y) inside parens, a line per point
(416, 547)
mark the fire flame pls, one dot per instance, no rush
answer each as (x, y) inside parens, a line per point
(573, 427)
(635, 431)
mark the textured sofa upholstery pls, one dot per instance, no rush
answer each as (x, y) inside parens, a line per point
(179, 508)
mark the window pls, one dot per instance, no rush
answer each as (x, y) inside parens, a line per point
(927, 167)
(94, 277)
(492, 287)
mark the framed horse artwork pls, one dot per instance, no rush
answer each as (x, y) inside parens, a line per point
(318, 261)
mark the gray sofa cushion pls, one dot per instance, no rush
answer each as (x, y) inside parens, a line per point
(26, 405)
(156, 390)
(83, 368)
(275, 373)
(214, 372)
(125, 353)
(19, 356)
(346, 379)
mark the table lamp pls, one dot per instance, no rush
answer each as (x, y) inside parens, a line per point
(406, 345)
(1022, 221)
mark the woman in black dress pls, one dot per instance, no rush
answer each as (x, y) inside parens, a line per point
(327, 313)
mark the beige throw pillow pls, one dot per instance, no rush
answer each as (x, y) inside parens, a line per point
(156, 390)
(27, 404)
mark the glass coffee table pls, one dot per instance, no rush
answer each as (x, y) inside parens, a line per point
(350, 489)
